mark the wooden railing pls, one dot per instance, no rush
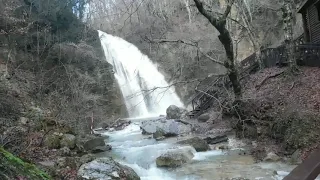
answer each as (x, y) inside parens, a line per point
(308, 55)
(308, 170)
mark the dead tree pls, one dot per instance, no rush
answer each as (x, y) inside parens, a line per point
(219, 22)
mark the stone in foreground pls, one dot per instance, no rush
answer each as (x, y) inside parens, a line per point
(174, 159)
(197, 143)
(106, 168)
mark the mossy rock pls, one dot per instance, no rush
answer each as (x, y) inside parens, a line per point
(12, 167)
(68, 140)
(52, 141)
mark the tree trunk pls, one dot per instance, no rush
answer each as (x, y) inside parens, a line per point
(220, 24)
(226, 40)
(287, 11)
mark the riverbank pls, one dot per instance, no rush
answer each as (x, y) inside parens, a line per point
(280, 111)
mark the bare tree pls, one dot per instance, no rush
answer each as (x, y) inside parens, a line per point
(219, 22)
(287, 11)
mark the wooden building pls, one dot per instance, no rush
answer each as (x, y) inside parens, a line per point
(310, 10)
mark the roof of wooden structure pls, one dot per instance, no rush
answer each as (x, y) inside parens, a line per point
(306, 4)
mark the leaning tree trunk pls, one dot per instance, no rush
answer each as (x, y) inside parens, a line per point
(287, 11)
(220, 24)
(226, 40)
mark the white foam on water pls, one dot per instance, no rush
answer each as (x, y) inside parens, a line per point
(200, 156)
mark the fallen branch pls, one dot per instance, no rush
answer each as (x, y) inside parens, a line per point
(115, 122)
(268, 77)
(183, 122)
(292, 85)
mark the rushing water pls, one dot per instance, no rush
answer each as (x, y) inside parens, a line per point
(139, 152)
(143, 87)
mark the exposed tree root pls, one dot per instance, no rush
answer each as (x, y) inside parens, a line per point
(268, 77)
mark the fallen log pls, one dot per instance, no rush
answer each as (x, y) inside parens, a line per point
(216, 139)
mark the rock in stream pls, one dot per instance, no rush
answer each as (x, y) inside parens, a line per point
(106, 168)
(197, 143)
(168, 127)
(174, 158)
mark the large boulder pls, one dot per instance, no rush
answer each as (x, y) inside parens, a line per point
(93, 143)
(174, 112)
(174, 158)
(106, 168)
(204, 117)
(167, 127)
(68, 140)
(197, 143)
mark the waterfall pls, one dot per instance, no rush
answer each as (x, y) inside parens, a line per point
(145, 91)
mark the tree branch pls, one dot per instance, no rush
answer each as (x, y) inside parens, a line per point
(213, 20)
(187, 43)
(227, 11)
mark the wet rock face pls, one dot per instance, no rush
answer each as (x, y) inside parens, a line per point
(106, 168)
(174, 159)
(166, 127)
(174, 112)
(198, 144)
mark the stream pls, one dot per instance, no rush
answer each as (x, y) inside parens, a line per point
(139, 152)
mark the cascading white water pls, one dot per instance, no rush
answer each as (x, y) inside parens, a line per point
(145, 91)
